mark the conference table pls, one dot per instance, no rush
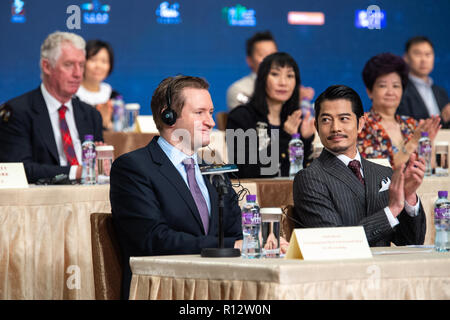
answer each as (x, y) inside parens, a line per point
(393, 273)
(278, 193)
(45, 241)
(45, 234)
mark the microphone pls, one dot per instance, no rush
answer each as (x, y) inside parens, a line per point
(217, 179)
(60, 179)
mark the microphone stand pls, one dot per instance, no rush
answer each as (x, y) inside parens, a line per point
(219, 183)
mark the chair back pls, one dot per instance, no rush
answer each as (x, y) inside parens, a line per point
(222, 118)
(287, 225)
(106, 258)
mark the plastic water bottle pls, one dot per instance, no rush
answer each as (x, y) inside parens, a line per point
(89, 158)
(306, 106)
(119, 121)
(442, 222)
(295, 155)
(425, 151)
(251, 225)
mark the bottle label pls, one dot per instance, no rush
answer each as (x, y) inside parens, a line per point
(249, 218)
(426, 148)
(441, 213)
(295, 151)
(89, 153)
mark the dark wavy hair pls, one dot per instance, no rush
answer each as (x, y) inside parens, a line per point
(259, 98)
(340, 91)
(94, 46)
(381, 64)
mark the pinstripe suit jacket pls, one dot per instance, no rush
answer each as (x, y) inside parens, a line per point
(328, 194)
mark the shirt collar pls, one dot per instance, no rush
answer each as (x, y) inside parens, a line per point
(420, 82)
(346, 160)
(175, 155)
(52, 104)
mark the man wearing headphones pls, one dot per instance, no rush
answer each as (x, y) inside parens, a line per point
(161, 204)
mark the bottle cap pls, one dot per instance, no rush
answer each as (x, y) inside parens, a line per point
(296, 136)
(271, 211)
(104, 148)
(424, 134)
(89, 137)
(132, 106)
(442, 194)
(251, 197)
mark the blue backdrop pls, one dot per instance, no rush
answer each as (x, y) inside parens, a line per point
(202, 42)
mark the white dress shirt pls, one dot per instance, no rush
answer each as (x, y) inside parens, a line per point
(426, 92)
(176, 156)
(393, 221)
(52, 106)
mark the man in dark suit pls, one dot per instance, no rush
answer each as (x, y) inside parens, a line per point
(44, 128)
(342, 189)
(422, 98)
(161, 204)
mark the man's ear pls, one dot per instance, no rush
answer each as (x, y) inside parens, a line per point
(361, 123)
(250, 63)
(406, 58)
(315, 125)
(46, 66)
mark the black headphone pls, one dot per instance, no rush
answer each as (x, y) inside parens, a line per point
(169, 116)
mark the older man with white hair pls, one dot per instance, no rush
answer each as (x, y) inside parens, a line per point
(45, 128)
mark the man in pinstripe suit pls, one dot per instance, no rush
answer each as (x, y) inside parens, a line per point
(342, 189)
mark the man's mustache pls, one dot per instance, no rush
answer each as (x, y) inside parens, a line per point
(337, 136)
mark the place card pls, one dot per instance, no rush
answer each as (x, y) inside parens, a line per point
(12, 175)
(329, 244)
(146, 124)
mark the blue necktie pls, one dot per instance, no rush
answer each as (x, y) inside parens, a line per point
(202, 207)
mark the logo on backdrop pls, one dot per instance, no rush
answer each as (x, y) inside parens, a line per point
(371, 18)
(18, 12)
(168, 14)
(239, 16)
(95, 12)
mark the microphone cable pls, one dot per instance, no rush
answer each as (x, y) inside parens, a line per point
(242, 191)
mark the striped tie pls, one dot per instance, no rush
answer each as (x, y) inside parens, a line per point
(200, 201)
(66, 138)
(355, 166)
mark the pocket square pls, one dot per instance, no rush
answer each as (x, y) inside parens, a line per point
(385, 183)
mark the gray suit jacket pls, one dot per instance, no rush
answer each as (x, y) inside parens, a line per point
(328, 194)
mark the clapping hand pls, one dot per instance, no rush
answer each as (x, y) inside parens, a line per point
(414, 174)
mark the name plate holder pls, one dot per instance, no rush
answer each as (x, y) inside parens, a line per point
(329, 244)
(146, 124)
(12, 175)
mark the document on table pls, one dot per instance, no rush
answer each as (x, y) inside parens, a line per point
(405, 250)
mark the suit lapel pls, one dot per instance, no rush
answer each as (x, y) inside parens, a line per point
(337, 168)
(168, 170)
(372, 184)
(81, 120)
(422, 111)
(44, 124)
(438, 96)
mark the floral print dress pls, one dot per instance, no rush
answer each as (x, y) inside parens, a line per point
(374, 141)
